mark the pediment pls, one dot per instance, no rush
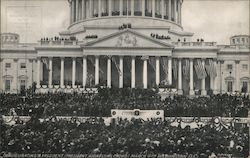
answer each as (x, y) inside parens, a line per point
(128, 38)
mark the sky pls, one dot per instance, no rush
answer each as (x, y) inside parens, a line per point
(212, 20)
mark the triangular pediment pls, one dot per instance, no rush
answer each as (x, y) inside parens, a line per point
(128, 38)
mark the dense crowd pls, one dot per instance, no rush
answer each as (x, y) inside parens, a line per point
(101, 103)
(72, 137)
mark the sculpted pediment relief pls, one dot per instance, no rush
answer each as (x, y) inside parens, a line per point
(127, 38)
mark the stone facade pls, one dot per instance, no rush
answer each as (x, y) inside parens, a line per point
(109, 45)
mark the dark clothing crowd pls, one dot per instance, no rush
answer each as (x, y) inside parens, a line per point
(122, 137)
(100, 104)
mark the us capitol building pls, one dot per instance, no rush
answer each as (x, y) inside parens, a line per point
(125, 43)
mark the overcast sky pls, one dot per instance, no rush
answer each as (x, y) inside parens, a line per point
(213, 20)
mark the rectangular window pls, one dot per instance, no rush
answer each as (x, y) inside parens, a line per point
(23, 65)
(244, 87)
(229, 86)
(22, 85)
(244, 66)
(7, 85)
(229, 66)
(7, 65)
(233, 41)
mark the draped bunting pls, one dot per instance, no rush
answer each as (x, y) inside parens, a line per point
(46, 62)
(174, 68)
(185, 69)
(113, 59)
(152, 62)
(200, 70)
(211, 69)
(164, 64)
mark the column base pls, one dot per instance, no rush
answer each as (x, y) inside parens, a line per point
(203, 92)
(38, 86)
(191, 92)
(62, 86)
(180, 92)
(215, 92)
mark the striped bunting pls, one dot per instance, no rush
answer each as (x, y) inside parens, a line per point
(200, 70)
(152, 62)
(185, 69)
(174, 68)
(164, 64)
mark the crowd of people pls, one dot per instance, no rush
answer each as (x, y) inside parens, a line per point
(100, 104)
(122, 137)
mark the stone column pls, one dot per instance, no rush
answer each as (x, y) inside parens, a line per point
(180, 91)
(170, 71)
(90, 8)
(180, 12)
(174, 11)
(216, 78)
(191, 82)
(62, 73)
(162, 9)
(145, 73)
(84, 71)
(237, 76)
(121, 72)
(109, 72)
(15, 78)
(153, 8)
(169, 10)
(99, 8)
(73, 11)
(133, 72)
(83, 10)
(96, 70)
(38, 68)
(121, 7)
(132, 7)
(110, 8)
(143, 7)
(70, 10)
(73, 71)
(157, 71)
(50, 71)
(203, 81)
(77, 10)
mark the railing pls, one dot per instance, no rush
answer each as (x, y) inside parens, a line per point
(58, 42)
(234, 46)
(195, 44)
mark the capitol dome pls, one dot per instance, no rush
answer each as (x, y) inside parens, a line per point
(99, 18)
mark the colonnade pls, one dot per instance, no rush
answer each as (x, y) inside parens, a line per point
(163, 9)
(213, 80)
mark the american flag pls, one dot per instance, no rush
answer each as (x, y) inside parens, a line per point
(174, 68)
(46, 62)
(185, 69)
(113, 59)
(152, 62)
(164, 63)
(200, 70)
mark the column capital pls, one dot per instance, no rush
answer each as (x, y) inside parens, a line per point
(237, 61)
(50, 58)
(145, 57)
(221, 61)
(62, 58)
(97, 56)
